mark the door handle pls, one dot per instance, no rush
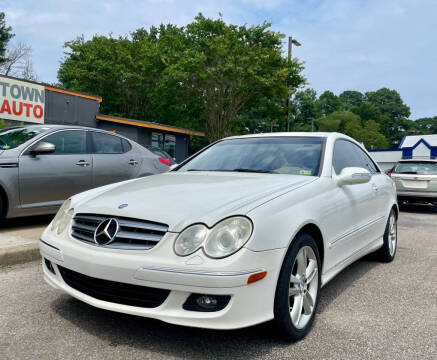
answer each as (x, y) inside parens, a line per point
(375, 188)
(132, 162)
(82, 163)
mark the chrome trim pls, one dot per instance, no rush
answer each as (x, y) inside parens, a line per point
(204, 273)
(341, 237)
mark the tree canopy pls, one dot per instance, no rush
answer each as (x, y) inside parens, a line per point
(201, 75)
(5, 35)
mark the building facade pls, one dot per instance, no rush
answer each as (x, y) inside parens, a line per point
(418, 147)
(28, 102)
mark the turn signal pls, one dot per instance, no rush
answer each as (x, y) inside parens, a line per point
(256, 277)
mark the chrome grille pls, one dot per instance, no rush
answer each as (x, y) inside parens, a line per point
(133, 234)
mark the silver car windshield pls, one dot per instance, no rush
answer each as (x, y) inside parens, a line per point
(13, 137)
(276, 155)
(420, 168)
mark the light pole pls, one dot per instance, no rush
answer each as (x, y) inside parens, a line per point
(291, 42)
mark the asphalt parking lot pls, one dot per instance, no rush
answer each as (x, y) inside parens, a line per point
(369, 311)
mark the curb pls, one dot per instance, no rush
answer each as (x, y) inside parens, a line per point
(19, 254)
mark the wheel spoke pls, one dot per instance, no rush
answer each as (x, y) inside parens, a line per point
(294, 279)
(296, 311)
(308, 304)
(301, 259)
(311, 271)
(293, 291)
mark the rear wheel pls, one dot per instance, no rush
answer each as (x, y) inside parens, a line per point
(388, 251)
(298, 289)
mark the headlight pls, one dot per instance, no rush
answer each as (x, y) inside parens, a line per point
(227, 237)
(190, 240)
(224, 239)
(62, 217)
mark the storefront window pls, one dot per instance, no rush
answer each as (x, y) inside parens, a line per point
(170, 145)
(158, 140)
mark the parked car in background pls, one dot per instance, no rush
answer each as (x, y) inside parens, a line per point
(246, 231)
(416, 181)
(42, 165)
(164, 156)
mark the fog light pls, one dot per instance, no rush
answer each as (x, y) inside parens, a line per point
(206, 302)
(49, 266)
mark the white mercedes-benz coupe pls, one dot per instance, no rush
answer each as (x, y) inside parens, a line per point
(245, 231)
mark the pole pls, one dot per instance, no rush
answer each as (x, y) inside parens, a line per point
(288, 95)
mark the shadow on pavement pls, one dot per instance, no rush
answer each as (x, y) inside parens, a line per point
(24, 222)
(172, 340)
(419, 208)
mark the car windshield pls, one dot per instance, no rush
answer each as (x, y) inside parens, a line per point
(420, 168)
(277, 155)
(13, 137)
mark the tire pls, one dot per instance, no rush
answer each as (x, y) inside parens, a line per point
(388, 251)
(297, 296)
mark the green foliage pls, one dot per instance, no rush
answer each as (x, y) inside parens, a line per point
(3, 125)
(351, 98)
(5, 36)
(200, 76)
(327, 103)
(350, 124)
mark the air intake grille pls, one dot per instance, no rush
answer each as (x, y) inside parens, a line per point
(115, 292)
(133, 234)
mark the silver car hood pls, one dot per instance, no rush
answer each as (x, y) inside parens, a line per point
(179, 199)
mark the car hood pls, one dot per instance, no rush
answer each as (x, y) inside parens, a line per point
(179, 199)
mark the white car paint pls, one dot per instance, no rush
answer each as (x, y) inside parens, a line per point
(350, 218)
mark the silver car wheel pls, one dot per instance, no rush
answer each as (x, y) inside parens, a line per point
(392, 234)
(304, 285)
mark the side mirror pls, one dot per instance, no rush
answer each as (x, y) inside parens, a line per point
(172, 167)
(43, 148)
(354, 175)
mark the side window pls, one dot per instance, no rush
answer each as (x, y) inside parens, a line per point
(170, 144)
(68, 142)
(368, 163)
(106, 144)
(126, 145)
(347, 154)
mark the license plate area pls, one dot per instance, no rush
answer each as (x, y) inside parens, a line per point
(415, 184)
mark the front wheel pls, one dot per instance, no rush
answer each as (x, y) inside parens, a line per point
(298, 289)
(388, 251)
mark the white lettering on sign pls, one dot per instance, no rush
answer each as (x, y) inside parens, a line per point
(21, 100)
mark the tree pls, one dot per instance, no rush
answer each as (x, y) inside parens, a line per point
(201, 76)
(350, 124)
(389, 102)
(351, 98)
(5, 36)
(18, 62)
(305, 109)
(327, 103)
(426, 125)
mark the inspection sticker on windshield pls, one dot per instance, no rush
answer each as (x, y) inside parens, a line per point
(305, 172)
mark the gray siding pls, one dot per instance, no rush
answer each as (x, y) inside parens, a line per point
(69, 109)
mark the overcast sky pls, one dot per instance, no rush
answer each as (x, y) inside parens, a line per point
(346, 44)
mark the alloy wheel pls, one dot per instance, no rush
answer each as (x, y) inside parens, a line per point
(392, 234)
(303, 290)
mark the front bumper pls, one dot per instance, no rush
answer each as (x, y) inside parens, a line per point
(160, 268)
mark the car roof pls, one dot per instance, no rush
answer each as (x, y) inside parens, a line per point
(418, 160)
(332, 135)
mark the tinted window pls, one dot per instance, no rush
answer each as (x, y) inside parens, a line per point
(282, 155)
(107, 144)
(170, 144)
(13, 137)
(68, 142)
(347, 154)
(126, 145)
(416, 167)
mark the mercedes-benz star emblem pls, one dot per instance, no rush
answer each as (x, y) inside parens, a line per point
(106, 231)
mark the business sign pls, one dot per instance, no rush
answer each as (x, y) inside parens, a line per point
(21, 101)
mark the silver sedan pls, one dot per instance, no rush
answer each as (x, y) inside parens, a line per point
(42, 165)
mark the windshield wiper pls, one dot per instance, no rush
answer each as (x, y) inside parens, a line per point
(261, 171)
(408, 172)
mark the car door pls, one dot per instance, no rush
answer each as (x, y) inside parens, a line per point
(49, 179)
(114, 159)
(353, 207)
